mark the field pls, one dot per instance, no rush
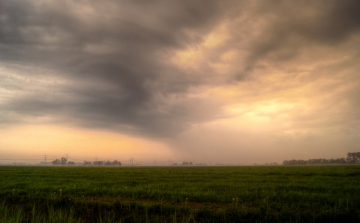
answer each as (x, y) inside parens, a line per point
(180, 194)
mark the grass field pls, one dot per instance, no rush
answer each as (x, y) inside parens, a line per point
(180, 194)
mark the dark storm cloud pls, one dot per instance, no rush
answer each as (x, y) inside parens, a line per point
(112, 55)
(289, 26)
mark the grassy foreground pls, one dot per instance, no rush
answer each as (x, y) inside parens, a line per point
(180, 194)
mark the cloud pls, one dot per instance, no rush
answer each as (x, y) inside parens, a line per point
(158, 69)
(108, 62)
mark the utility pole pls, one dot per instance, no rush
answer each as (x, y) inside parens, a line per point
(45, 159)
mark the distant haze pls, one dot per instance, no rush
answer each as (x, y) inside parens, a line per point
(236, 82)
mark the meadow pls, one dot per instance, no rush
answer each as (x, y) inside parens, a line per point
(180, 194)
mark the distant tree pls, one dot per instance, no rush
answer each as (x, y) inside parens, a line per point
(87, 163)
(302, 162)
(70, 164)
(341, 161)
(108, 163)
(353, 158)
(63, 161)
(98, 163)
(187, 163)
(295, 162)
(56, 162)
(116, 163)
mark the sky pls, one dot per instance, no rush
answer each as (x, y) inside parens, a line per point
(207, 81)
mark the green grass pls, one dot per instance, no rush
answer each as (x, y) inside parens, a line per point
(180, 194)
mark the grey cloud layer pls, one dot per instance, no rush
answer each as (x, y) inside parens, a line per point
(113, 55)
(118, 48)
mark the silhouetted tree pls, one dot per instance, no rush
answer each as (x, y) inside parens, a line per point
(116, 163)
(353, 158)
(63, 161)
(108, 163)
(98, 163)
(56, 162)
(187, 163)
(295, 162)
(87, 163)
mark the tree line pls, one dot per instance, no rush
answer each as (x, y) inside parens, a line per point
(63, 161)
(352, 158)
